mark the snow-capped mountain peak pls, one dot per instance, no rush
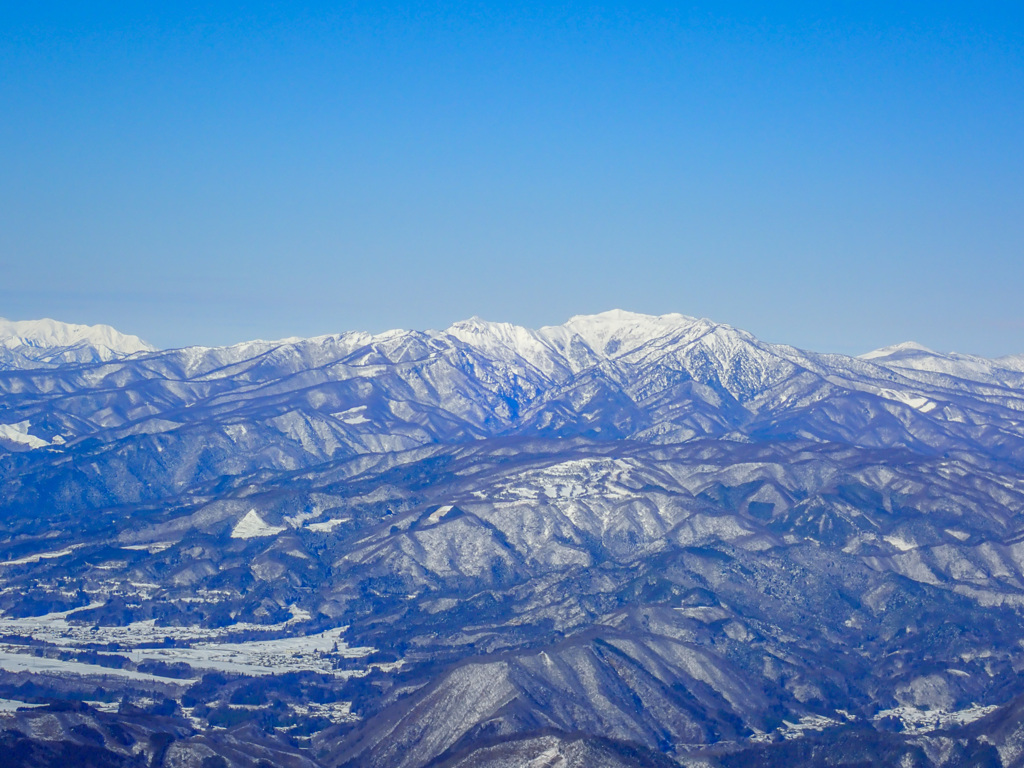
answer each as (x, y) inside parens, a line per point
(47, 333)
(896, 349)
(911, 356)
(617, 331)
(579, 343)
(502, 340)
(46, 342)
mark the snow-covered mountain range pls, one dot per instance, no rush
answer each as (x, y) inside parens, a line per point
(615, 375)
(626, 540)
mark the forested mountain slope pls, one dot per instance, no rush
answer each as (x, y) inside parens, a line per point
(626, 540)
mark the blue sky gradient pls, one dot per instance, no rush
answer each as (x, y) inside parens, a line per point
(837, 178)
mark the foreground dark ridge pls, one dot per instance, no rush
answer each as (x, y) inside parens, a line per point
(622, 541)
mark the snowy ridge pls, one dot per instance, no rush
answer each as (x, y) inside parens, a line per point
(617, 332)
(913, 357)
(660, 379)
(48, 343)
(51, 333)
(896, 349)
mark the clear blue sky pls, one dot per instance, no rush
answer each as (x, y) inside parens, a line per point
(838, 176)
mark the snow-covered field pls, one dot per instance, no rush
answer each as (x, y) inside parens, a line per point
(200, 648)
(916, 720)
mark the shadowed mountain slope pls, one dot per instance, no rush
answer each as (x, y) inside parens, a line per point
(626, 540)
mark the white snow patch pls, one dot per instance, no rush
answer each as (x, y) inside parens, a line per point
(902, 544)
(298, 614)
(201, 648)
(12, 705)
(906, 346)
(328, 525)
(14, 659)
(438, 514)
(336, 712)
(789, 730)
(705, 613)
(920, 402)
(352, 415)
(40, 556)
(263, 657)
(252, 527)
(18, 433)
(549, 758)
(153, 548)
(298, 520)
(807, 723)
(924, 720)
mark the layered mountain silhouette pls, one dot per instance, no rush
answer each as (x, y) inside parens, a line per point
(626, 540)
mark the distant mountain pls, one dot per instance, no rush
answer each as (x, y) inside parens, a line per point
(611, 376)
(626, 540)
(35, 343)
